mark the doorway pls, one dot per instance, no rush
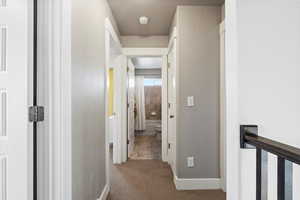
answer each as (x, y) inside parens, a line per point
(145, 108)
(114, 96)
(154, 118)
(68, 139)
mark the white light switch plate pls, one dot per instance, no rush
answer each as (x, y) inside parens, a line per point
(190, 162)
(190, 101)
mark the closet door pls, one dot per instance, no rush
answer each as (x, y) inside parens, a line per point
(15, 40)
(172, 106)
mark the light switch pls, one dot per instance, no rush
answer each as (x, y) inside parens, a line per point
(190, 162)
(190, 101)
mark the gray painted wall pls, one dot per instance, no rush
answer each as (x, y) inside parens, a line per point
(223, 11)
(88, 122)
(145, 41)
(198, 73)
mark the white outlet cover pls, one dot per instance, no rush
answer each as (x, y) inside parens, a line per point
(190, 101)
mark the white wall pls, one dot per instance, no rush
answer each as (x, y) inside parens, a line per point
(269, 83)
(145, 41)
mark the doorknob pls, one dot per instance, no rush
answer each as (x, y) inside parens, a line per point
(172, 116)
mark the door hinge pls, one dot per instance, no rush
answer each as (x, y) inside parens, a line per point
(128, 142)
(169, 65)
(169, 105)
(36, 113)
(169, 145)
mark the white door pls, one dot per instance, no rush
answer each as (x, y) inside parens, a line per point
(118, 110)
(131, 105)
(172, 106)
(14, 87)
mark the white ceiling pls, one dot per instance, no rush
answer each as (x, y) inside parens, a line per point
(147, 62)
(160, 13)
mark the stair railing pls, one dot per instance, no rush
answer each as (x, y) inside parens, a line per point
(249, 139)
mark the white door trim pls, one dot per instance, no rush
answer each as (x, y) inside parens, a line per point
(110, 33)
(222, 109)
(109, 27)
(55, 59)
(123, 102)
(232, 113)
(162, 52)
(172, 38)
(164, 108)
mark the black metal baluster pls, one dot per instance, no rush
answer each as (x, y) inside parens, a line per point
(258, 173)
(287, 156)
(281, 178)
(288, 180)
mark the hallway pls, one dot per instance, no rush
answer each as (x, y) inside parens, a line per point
(151, 180)
(146, 147)
(147, 144)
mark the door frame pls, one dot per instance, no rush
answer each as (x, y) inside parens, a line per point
(222, 109)
(54, 61)
(232, 102)
(161, 52)
(111, 33)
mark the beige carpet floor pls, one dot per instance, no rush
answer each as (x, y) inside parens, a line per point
(151, 180)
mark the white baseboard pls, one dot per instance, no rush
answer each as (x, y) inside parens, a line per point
(223, 184)
(104, 193)
(197, 183)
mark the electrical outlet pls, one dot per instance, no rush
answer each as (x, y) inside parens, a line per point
(190, 101)
(190, 161)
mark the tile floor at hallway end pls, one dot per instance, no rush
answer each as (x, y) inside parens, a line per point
(151, 180)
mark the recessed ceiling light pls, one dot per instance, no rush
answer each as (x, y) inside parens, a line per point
(144, 20)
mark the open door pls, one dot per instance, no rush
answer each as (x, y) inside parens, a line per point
(131, 105)
(116, 126)
(172, 106)
(15, 67)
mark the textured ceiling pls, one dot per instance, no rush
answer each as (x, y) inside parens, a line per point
(160, 12)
